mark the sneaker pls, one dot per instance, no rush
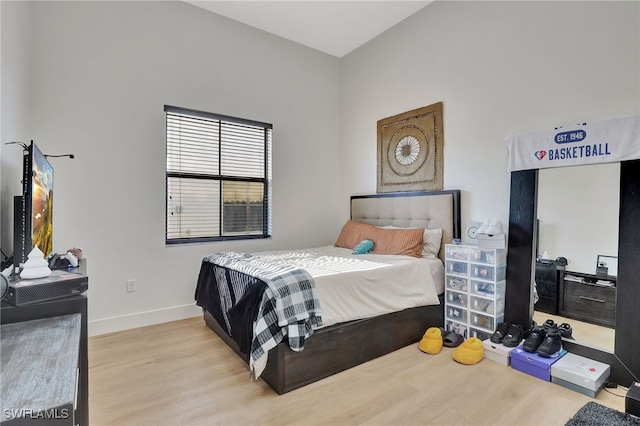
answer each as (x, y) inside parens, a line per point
(500, 332)
(535, 338)
(483, 227)
(494, 228)
(458, 284)
(513, 336)
(454, 313)
(565, 330)
(551, 345)
(550, 325)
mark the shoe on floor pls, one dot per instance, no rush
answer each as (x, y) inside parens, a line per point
(565, 330)
(534, 340)
(469, 352)
(513, 336)
(452, 340)
(551, 345)
(550, 325)
(431, 342)
(500, 332)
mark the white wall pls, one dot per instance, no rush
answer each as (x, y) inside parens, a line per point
(101, 74)
(14, 106)
(500, 68)
(579, 224)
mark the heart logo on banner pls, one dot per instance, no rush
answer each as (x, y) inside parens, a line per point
(540, 154)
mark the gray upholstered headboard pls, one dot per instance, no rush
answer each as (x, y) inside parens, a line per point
(424, 209)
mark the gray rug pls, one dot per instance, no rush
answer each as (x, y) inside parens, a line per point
(594, 414)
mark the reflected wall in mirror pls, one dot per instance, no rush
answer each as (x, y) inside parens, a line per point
(578, 212)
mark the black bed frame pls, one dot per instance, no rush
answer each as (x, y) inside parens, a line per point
(341, 346)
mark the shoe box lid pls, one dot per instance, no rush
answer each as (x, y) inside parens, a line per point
(491, 241)
(581, 371)
(534, 364)
(498, 348)
(534, 358)
(497, 352)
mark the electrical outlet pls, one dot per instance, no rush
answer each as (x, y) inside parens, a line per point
(131, 286)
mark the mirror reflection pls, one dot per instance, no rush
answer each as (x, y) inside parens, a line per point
(578, 211)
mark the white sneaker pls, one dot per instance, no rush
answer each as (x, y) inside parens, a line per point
(495, 228)
(483, 227)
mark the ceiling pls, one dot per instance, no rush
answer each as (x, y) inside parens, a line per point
(335, 27)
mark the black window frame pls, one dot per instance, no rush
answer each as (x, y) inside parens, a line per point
(265, 180)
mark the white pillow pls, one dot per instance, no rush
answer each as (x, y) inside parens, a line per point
(432, 239)
(432, 242)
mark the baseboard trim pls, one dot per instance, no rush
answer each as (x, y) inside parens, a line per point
(142, 319)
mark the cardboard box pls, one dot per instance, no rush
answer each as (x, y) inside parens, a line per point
(497, 352)
(580, 374)
(533, 364)
(491, 241)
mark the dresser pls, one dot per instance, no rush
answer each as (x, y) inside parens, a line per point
(68, 317)
(53, 312)
(549, 275)
(588, 298)
(40, 368)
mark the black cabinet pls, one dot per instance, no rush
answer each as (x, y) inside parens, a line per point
(10, 314)
(76, 304)
(589, 298)
(548, 278)
(40, 361)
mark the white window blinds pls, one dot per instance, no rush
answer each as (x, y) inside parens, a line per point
(218, 177)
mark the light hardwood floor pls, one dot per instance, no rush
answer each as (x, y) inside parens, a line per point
(181, 373)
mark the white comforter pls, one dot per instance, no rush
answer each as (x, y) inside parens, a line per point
(351, 286)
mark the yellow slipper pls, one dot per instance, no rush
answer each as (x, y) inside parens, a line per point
(431, 342)
(469, 352)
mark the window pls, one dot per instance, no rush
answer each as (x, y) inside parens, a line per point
(218, 177)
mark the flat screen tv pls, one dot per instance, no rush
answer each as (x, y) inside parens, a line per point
(33, 210)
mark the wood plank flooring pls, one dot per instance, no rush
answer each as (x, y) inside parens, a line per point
(181, 373)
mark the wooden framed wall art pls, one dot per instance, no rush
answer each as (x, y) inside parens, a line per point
(410, 150)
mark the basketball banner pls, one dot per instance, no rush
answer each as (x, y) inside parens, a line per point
(606, 141)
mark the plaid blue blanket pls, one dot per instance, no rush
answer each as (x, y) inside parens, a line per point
(289, 306)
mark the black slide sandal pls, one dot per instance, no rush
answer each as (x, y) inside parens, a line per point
(452, 340)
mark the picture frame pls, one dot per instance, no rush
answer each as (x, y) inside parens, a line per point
(410, 150)
(607, 265)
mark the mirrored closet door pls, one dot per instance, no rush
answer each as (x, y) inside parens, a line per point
(578, 211)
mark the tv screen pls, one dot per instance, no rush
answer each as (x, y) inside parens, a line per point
(41, 202)
(33, 210)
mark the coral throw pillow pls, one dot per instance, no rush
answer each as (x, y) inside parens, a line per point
(407, 242)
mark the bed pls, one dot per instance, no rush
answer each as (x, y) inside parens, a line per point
(343, 341)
